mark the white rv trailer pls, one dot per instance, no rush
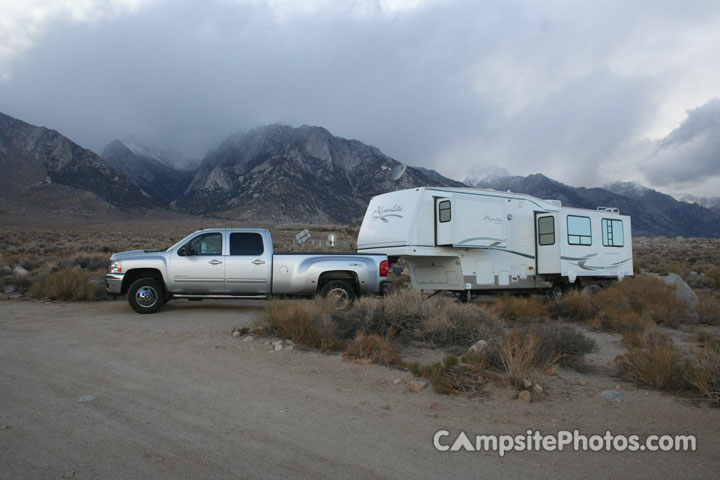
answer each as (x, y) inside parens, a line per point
(468, 239)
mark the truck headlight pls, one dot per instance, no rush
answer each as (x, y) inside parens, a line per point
(116, 267)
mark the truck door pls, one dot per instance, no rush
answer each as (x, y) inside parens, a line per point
(547, 243)
(248, 266)
(443, 221)
(203, 271)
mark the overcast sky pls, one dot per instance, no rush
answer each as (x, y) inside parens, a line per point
(584, 92)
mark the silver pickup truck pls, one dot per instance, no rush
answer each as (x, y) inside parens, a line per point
(239, 263)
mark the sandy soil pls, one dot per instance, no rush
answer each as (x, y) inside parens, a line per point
(174, 395)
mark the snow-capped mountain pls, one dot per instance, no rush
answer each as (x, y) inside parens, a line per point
(168, 156)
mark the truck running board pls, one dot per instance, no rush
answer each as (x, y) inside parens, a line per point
(253, 297)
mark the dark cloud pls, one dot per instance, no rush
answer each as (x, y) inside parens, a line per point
(690, 153)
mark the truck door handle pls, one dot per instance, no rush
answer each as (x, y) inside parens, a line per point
(215, 262)
(258, 262)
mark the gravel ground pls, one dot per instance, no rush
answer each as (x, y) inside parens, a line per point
(92, 390)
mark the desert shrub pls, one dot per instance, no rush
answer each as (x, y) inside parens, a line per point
(519, 354)
(91, 261)
(406, 315)
(576, 306)
(714, 274)
(623, 322)
(653, 361)
(374, 348)
(648, 297)
(517, 309)
(66, 284)
(453, 375)
(702, 370)
(708, 309)
(31, 263)
(561, 343)
(305, 322)
(449, 323)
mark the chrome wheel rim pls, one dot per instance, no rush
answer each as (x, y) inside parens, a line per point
(146, 297)
(341, 298)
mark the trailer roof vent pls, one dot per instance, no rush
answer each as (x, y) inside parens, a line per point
(609, 209)
(554, 202)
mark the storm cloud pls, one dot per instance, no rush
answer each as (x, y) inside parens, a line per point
(690, 153)
(455, 85)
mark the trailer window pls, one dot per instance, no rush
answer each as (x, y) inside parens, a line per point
(444, 211)
(579, 232)
(612, 233)
(546, 230)
(207, 244)
(246, 243)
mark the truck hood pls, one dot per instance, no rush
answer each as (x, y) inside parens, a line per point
(134, 254)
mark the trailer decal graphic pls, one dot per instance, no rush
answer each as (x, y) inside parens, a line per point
(498, 241)
(580, 262)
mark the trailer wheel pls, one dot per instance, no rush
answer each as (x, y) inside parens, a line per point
(558, 290)
(340, 292)
(146, 295)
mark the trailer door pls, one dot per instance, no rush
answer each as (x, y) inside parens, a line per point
(547, 243)
(443, 221)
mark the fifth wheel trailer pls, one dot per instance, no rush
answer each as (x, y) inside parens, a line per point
(472, 240)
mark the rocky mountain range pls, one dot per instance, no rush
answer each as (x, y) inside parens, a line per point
(45, 170)
(159, 180)
(276, 173)
(282, 173)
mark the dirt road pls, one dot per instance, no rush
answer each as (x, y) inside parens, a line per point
(91, 390)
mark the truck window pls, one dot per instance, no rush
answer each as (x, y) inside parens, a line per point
(579, 232)
(546, 230)
(612, 233)
(444, 211)
(246, 243)
(207, 244)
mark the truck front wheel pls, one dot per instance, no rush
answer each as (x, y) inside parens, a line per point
(146, 295)
(339, 292)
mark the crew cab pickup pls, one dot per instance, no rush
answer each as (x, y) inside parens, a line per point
(239, 263)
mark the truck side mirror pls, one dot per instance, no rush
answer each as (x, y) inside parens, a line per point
(185, 250)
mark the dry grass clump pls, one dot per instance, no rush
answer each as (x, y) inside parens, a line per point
(406, 315)
(519, 309)
(66, 284)
(561, 343)
(708, 309)
(305, 322)
(652, 360)
(519, 354)
(374, 348)
(714, 275)
(650, 298)
(86, 261)
(703, 370)
(575, 306)
(453, 375)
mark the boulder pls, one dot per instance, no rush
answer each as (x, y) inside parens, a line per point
(478, 347)
(525, 396)
(417, 385)
(682, 289)
(20, 272)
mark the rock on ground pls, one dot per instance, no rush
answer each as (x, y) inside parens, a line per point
(682, 289)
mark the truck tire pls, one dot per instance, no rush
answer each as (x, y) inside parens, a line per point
(341, 292)
(146, 295)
